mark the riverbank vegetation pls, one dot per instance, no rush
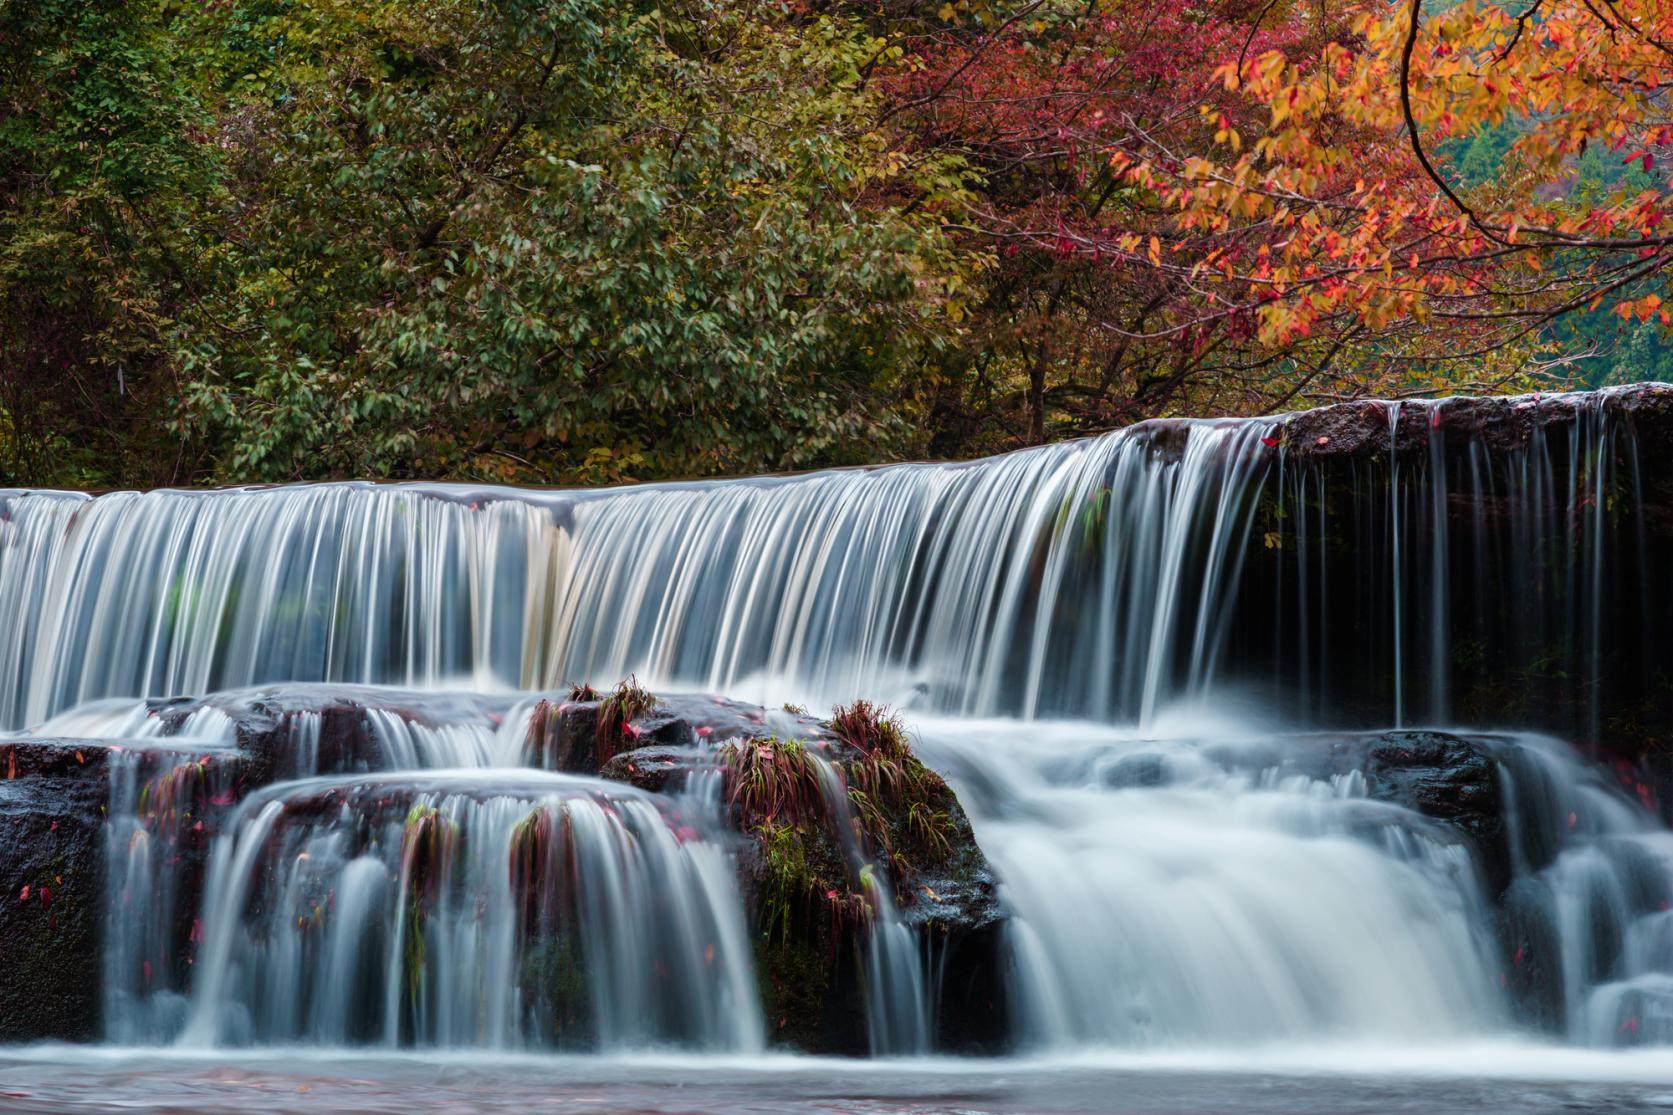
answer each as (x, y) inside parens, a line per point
(584, 241)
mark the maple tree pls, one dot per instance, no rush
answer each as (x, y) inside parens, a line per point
(1572, 73)
(1270, 214)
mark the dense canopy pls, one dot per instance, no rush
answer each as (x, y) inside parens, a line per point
(572, 241)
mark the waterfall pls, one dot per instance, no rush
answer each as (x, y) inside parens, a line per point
(453, 910)
(1101, 579)
(450, 898)
(1154, 664)
(167, 593)
(1206, 891)
(950, 580)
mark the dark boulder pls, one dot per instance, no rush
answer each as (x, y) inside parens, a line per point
(1451, 779)
(564, 736)
(839, 831)
(1376, 428)
(52, 803)
(658, 769)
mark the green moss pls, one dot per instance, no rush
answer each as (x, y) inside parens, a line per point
(412, 952)
(804, 906)
(795, 977)
(555, 976)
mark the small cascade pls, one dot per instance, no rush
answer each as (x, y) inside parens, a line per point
(896, 983)
(304, 729)
(447, 910)
(120, 718)
(1589, 920)
(413, 744)
(1201, 891)
(164, 802)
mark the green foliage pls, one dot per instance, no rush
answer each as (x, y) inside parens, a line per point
(101, 150)
(1611, 351)
(538, 240)
(558, 240)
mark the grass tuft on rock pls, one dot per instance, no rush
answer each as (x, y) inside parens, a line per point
(903, 808)
(617, 712)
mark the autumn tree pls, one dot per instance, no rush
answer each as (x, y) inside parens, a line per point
(1272, 215)
(1235, 206)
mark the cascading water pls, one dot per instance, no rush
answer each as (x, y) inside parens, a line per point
(1196, 891)
(896, 1009)
(447, 910)
(1125, 652)
(946, 578)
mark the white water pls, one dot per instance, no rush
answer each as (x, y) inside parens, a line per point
(949, 579)
(1188, 881)
(1218, 906)
(341, 925)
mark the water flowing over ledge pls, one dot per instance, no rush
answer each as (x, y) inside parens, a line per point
(1371, 563)
(1171, 673)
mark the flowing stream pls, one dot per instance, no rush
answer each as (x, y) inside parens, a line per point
(1139, 659)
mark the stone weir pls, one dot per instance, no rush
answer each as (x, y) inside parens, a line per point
(833, 828)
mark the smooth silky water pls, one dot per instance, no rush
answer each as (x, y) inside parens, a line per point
(1202, 919)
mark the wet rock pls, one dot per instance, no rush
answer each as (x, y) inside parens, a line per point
(658, 769)
(52, 802)
(716, 720)
(1449, 778)
(1375, 427)
(578, 736)
(816, 860)
(958, 913)
(564, 736)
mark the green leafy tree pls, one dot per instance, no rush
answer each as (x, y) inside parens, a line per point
(100, 140)
(570, 240)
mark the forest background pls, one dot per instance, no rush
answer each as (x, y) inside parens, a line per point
(587, 241)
